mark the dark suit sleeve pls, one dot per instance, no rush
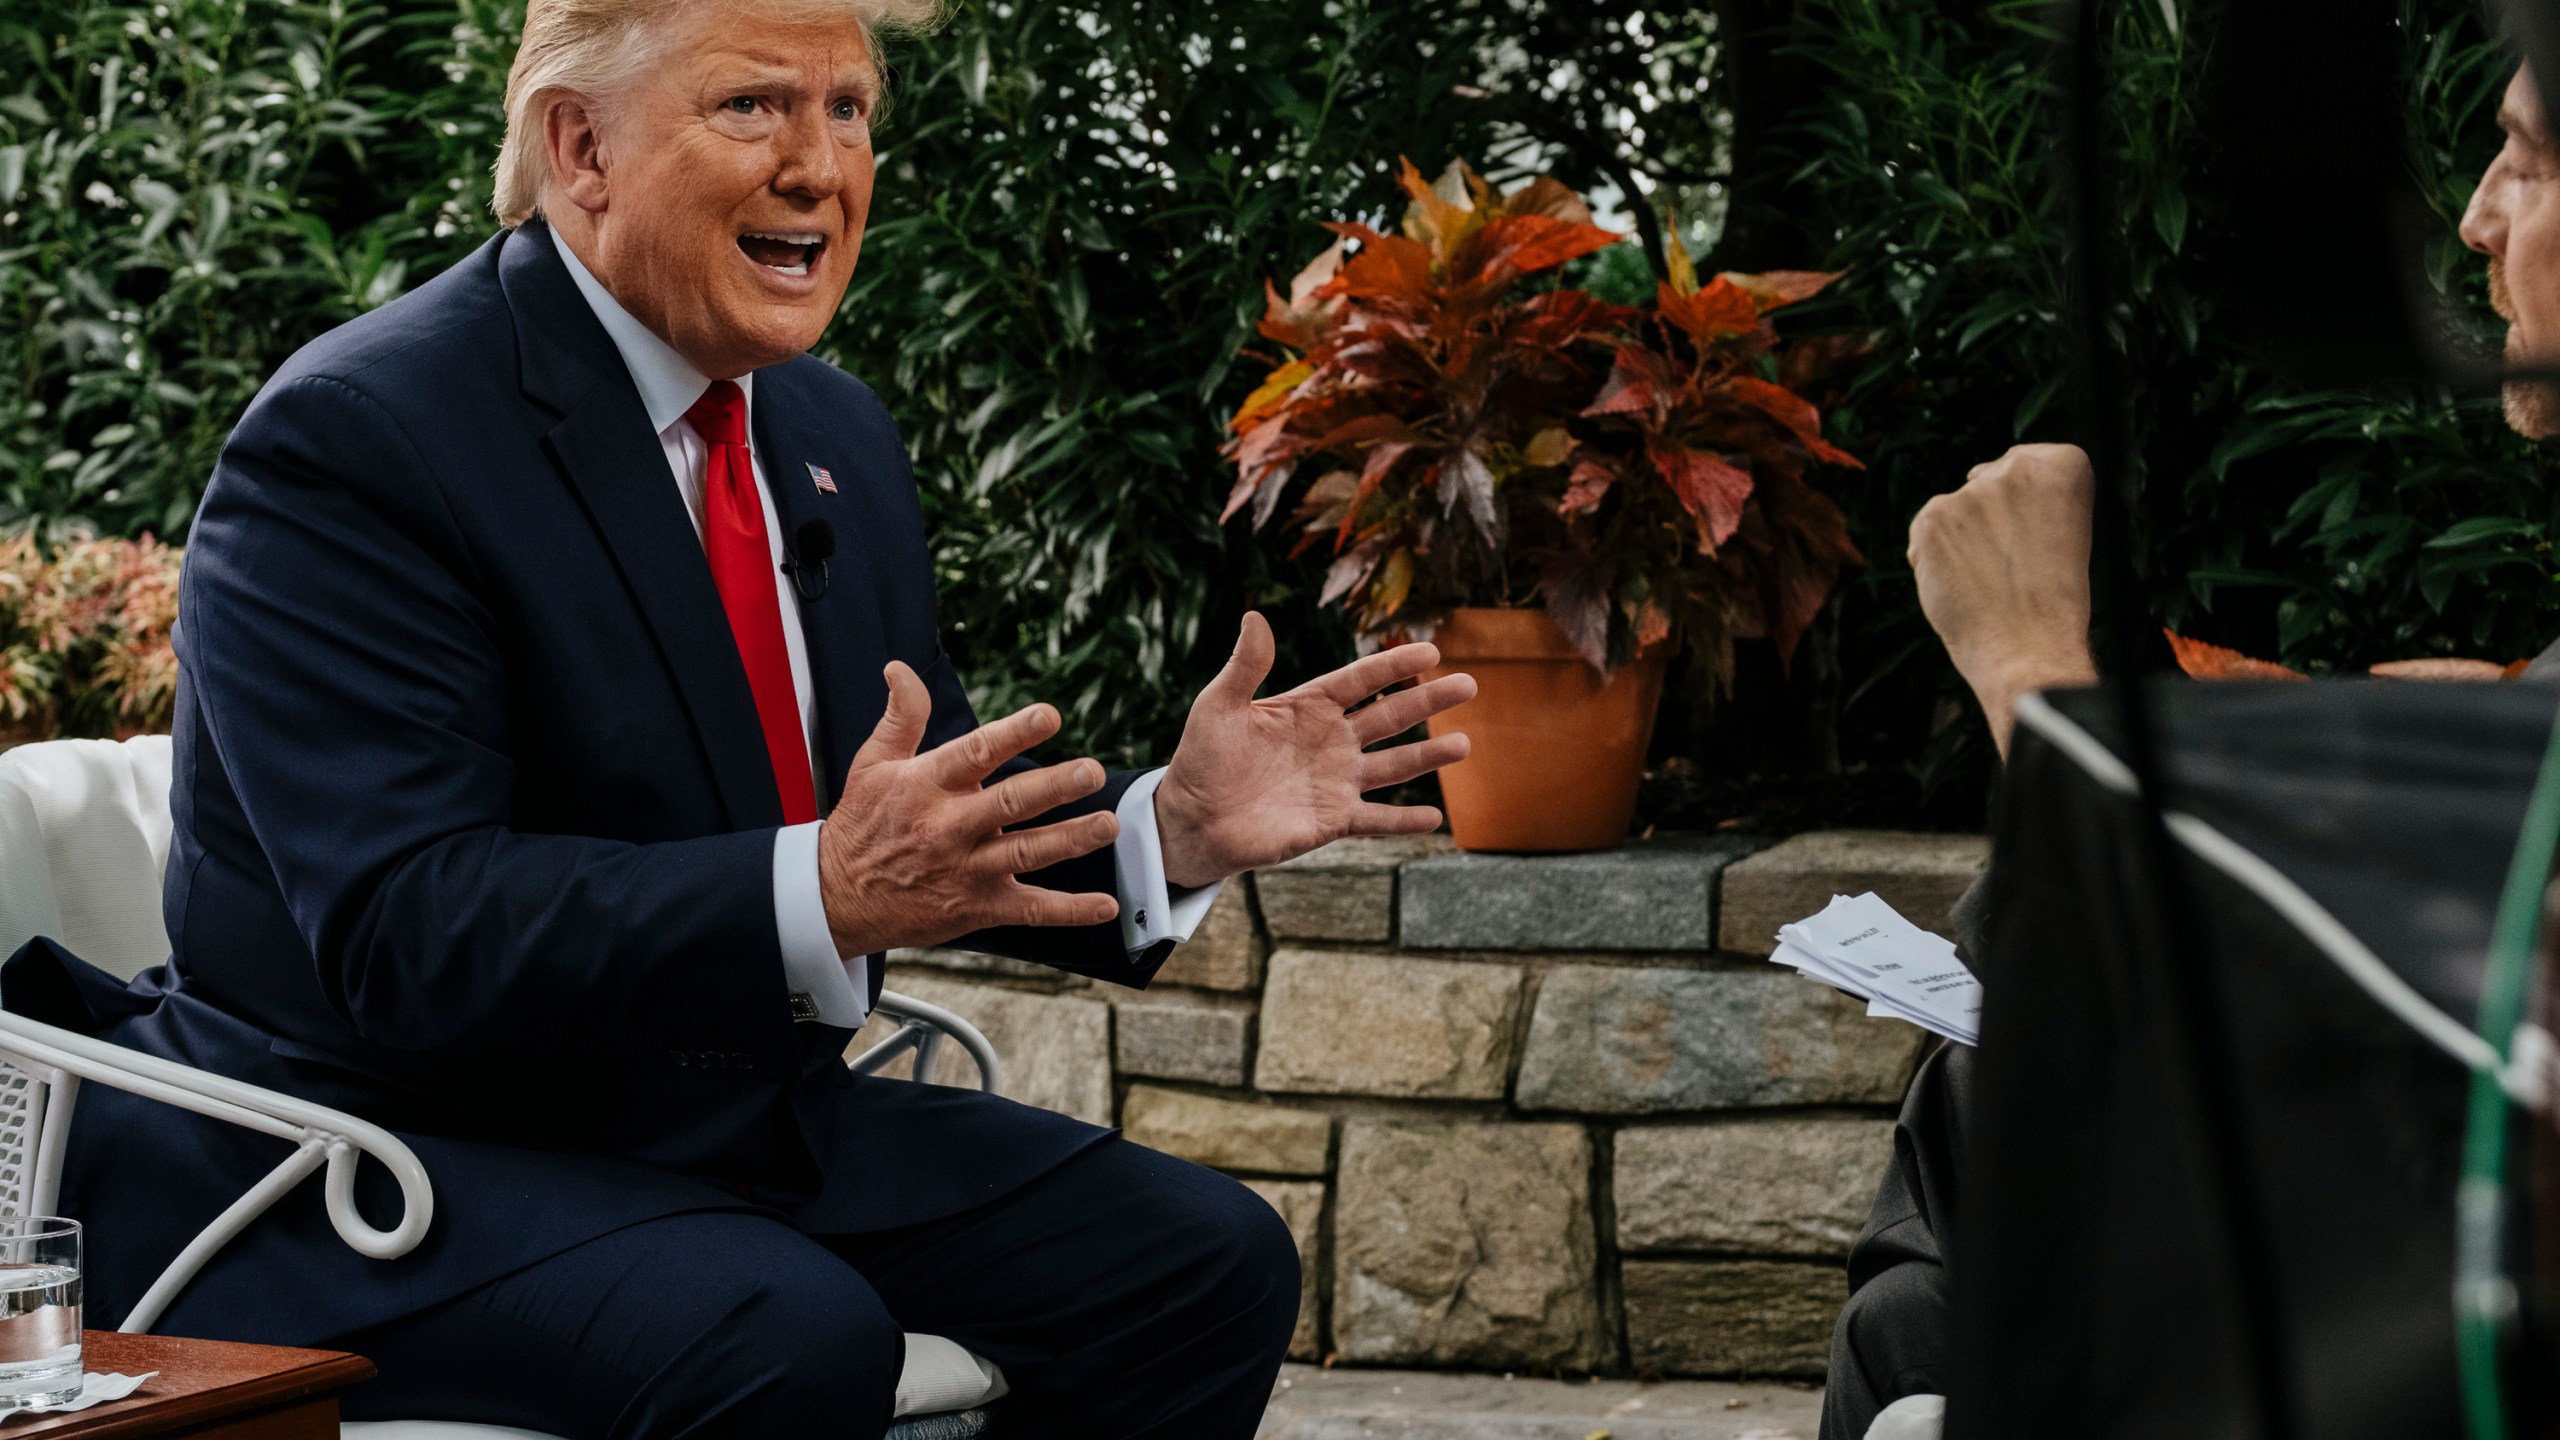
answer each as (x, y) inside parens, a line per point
(1894, 1337)
(351, 675)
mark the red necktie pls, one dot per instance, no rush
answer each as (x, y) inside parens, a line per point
(733, 537)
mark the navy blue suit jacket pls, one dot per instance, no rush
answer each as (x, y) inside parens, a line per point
(475, 825)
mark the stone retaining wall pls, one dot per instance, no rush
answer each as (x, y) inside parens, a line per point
(1522, 1113)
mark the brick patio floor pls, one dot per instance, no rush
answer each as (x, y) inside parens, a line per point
(1344, 1404)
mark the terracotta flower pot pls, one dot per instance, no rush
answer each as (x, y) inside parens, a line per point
(1555, 752)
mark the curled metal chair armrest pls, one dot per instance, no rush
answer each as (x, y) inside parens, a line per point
(321, 1138)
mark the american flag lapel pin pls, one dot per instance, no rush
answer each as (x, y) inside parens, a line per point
(821, 477)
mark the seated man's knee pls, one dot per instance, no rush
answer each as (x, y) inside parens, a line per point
(1267, 1258)
(831, 1341)
(1236, 1256)
(1895, 1331)
(802, 1347)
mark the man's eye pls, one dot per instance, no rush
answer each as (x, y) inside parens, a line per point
(742, 105)
(847, 110)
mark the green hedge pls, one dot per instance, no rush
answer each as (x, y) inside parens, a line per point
(188, 192)
(1079, 202)
(2329, 530)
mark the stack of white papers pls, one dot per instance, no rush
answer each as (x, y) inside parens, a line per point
(1859, 944)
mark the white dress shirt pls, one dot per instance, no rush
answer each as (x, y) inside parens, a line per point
(839, 987)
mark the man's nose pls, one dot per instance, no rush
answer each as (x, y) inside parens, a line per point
(2484, 220)
(810, 165)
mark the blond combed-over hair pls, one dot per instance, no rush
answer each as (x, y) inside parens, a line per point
(595, 48)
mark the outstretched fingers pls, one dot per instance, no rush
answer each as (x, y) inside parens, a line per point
(1394, 766)
(1240, 679)
(1032, 793)
(1370, 818)
(1370, 674)
(974, 756)
(902, 724)
(1031, 905)
(1396, 713)
(1020, 852)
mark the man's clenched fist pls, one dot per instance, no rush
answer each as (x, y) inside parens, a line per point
(916, 852)
(2003, 569)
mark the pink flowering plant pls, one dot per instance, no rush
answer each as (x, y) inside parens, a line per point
(84, 636)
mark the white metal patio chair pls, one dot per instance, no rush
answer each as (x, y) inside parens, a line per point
(84, 837)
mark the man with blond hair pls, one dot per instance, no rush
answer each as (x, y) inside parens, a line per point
(563, 740)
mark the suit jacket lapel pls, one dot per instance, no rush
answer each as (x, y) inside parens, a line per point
(604, 446)
(847, 642)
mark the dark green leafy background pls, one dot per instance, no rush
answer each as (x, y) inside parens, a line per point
(1078, 205)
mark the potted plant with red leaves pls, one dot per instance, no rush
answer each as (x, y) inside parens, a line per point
(1555, 489)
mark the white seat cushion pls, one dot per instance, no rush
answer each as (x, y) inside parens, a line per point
(1913, 1417)
(939, 1378)
(84, 839)
(433, 1431)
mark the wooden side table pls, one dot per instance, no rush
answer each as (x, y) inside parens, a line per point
(210, 1389)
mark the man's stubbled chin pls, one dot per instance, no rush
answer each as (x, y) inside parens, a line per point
(2532, 406)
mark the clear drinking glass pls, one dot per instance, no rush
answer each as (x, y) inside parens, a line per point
(39, 1311)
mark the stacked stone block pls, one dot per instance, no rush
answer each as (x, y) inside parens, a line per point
(1546, 1114)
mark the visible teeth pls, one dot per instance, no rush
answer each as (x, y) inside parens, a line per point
(800, 269)
(786, 238)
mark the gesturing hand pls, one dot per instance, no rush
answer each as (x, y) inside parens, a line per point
(1255, 782)
(2003, 571)
(916, 852)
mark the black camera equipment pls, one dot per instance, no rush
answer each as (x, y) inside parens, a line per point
(2256, 959)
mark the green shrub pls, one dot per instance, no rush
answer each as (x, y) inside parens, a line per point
(1079, 204)
(2331, 530)
(156, 173)
(1080, 201)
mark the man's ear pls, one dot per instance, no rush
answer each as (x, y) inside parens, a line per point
(574, 140)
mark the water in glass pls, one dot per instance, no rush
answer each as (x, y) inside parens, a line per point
(39, 1311)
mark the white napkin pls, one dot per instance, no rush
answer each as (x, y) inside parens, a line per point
(94, 1390)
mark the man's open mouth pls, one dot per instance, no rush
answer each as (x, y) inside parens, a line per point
(790, 251)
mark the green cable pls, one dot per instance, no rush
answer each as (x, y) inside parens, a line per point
(2484, 1299)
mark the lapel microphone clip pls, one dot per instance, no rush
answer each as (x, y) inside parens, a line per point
(805, 560)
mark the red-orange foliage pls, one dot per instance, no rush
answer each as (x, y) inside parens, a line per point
(1479, 440)
(2447, 668)
(2204, 660)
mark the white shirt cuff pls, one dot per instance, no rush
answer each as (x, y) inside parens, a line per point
(1152, 912)
(838, 987)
